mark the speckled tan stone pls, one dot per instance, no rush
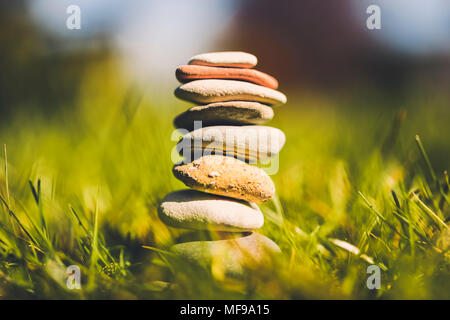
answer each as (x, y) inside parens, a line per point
(235, 59)
(193, 209)
(213, 90)
(225, 113)
(191, 72)
(226, 176)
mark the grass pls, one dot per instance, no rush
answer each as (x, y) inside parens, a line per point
(356, 186)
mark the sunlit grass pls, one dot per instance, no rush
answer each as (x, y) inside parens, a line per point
(355, 187)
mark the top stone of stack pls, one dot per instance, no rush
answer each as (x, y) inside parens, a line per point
(234, 59)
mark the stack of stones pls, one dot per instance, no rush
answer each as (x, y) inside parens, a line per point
(223, 139)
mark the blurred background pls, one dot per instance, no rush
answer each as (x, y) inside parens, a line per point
(308, 45)
(89, 113)
(322, 49)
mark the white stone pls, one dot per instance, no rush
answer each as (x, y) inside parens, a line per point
(254, 143)
(214, 90)
(192, 209)
(225, 59)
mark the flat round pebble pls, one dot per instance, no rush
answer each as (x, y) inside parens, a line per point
(233, 257)
(225, 113)
(192, 209)
(192, 72)
(226, 176)
(252, 143)
(214, 90)
(235, 59)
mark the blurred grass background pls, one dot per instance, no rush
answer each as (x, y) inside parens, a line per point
(88, 154)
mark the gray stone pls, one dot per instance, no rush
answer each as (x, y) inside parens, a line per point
(225, 113)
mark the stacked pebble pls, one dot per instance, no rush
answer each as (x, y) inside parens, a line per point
(235, 100)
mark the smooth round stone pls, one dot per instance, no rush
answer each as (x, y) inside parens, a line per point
(235, 59)
(232, 257)
(225, 113)
(226, 176)
(249, 143)
(192, 209)
(213, 90)
(192, 72)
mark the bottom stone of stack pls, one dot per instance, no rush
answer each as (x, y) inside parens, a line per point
(230, 257)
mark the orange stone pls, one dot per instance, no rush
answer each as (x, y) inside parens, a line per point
(188, 73)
